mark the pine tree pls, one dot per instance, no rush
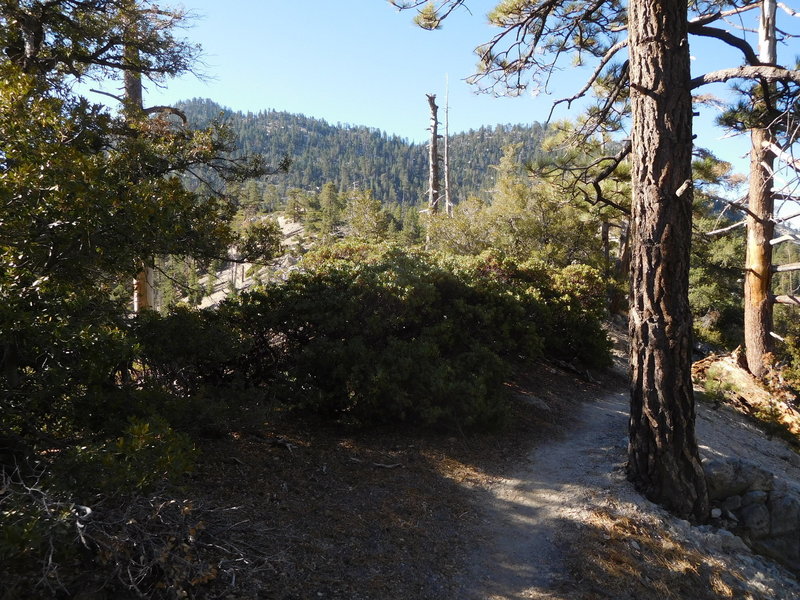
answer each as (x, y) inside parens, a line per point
(664, 460)
(95, 194)
(534, 35)
(365, 216)
(330, 205)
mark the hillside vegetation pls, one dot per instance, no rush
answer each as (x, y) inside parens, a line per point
(169, 433)
(395, 169)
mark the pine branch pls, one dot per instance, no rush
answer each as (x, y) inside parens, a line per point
(727, 37)
(741, 207)
(582, 92)
(721, 14)
(725, 229)
(603, 175)
(768, 73)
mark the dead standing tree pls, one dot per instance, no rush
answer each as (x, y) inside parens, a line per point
(448, 200)
(766, 121)
(758, 305)
(434, 189)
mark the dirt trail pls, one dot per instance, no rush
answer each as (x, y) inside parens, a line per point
(531, 513)
(536, 520)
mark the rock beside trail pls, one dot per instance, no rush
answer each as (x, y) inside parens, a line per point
(733, 477)
(763, 510)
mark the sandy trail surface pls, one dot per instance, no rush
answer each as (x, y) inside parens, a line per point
(532, 514)
(535, 518)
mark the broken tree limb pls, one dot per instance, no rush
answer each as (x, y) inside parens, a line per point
(785, 219)
(789, 237)
(786, 268)
(783, 156)
(787, 299)
(768, 73)
(725, 229)
(168, 110)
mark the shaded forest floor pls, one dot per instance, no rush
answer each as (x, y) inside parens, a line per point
(541, 510)
(376, 514)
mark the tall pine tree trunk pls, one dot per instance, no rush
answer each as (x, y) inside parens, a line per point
(664, 462)
(143, 288)
(758, 262)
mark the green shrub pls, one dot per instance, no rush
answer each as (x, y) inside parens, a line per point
(567, 305)
(186, 349)
(146, 453)
(377, 333)
(576, 333)
(385, 337)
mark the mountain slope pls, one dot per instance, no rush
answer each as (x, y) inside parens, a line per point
(351, 155)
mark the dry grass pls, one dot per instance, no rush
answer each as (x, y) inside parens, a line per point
(297, 510)
(635, 557)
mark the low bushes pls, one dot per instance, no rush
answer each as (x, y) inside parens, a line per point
(380, 334)
(364, 333)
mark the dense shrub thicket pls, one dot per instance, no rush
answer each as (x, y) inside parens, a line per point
(377, 333)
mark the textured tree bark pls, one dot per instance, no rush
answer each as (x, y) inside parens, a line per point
(758, 303)
(664, 462)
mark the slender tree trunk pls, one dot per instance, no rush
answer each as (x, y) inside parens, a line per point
(433, 158)
(664, 462)
(758, 273)
(448, 201)
(143, 289)
(605, 228)
(623, 264)
(758, 303)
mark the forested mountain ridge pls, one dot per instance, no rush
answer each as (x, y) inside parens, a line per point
(357, 156)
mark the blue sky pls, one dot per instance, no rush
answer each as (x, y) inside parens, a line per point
(361, 62)
(350, 61)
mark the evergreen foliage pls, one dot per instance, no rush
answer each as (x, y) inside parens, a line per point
(715, 287)
(365, 217)
(524, 218)
(351, 156)
(375, 333)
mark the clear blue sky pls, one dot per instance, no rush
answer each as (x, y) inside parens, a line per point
(361, 62)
